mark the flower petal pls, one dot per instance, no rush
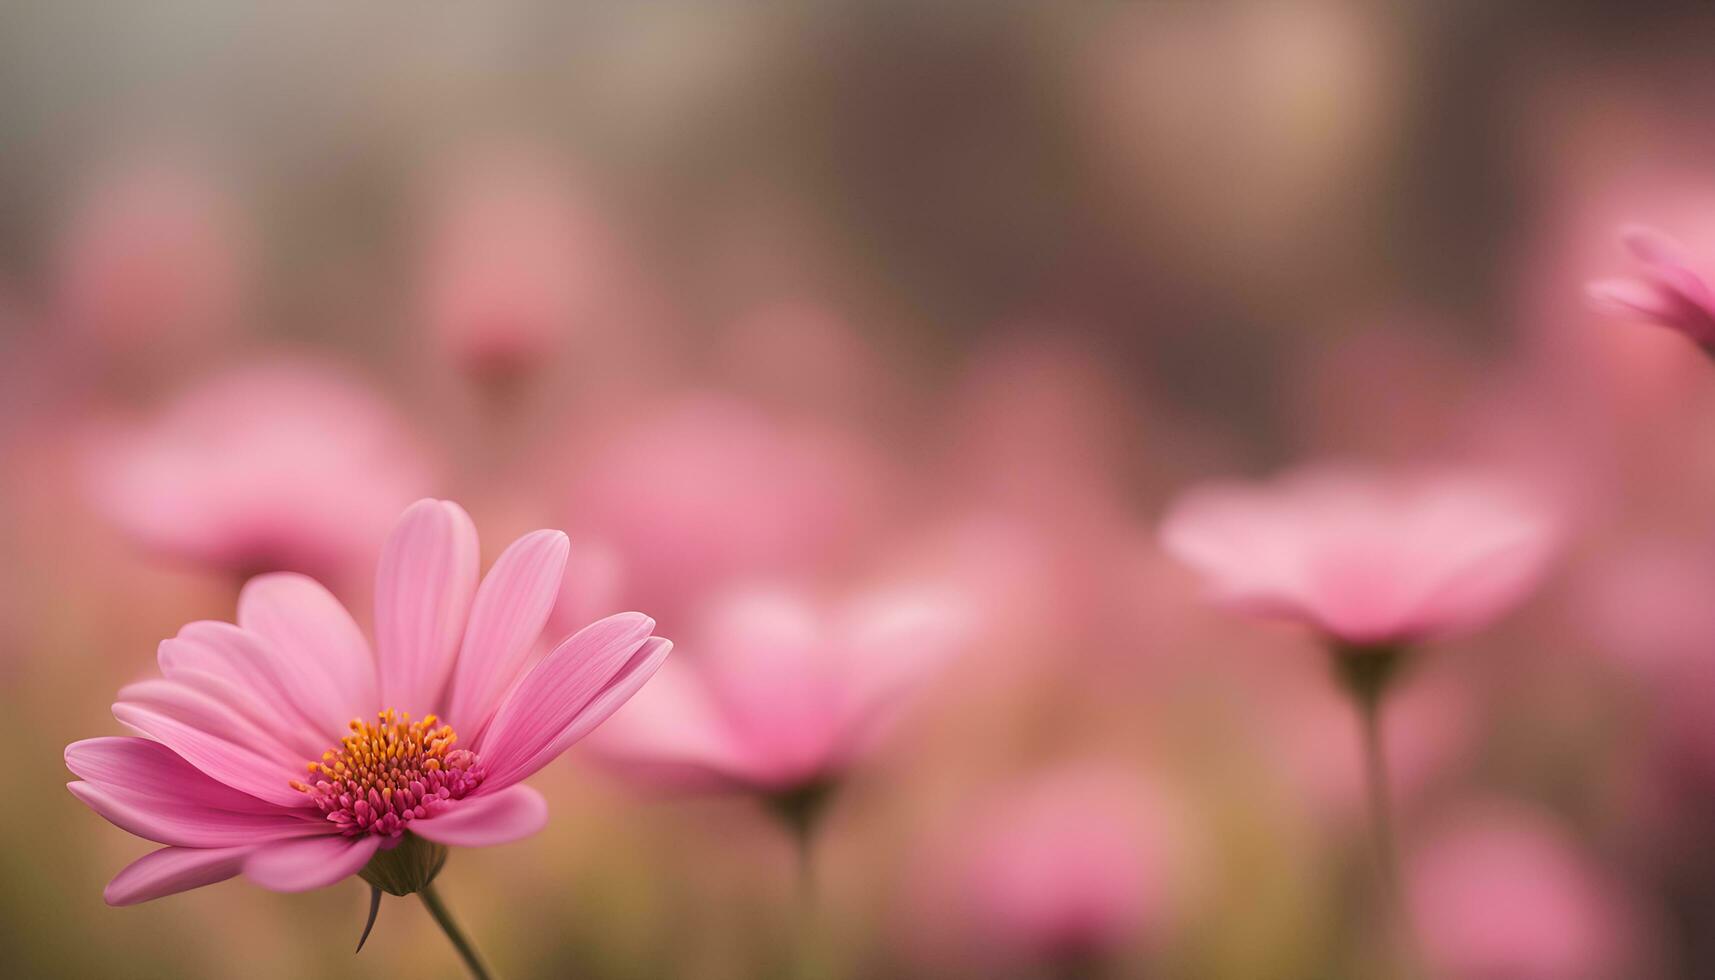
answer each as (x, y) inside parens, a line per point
(312, 629)
(423, 590)
(282, 695)
(238, 767)
(218, 707)
(512, 814)
(144, 767)
(313, 862)
(171, 870)
(183, 825)
(570, 692)
(511, 607)
(671, 736)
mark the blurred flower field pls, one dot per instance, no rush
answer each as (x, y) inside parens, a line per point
(851, 491)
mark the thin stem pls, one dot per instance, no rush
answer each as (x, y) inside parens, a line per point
(1381, 807)
(804, 841)
(461, 942)
(1367, 675)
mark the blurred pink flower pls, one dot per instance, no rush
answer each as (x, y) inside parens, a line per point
(509, 263)
(155, 252)
(240, 708)
(285, 465)
(1364, 557)
(709, 490)
(1668, 293)
(1503, 894)
(781, 693)
(1069, 866)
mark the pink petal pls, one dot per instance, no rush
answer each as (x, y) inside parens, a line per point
(768, 662)
(671, 736)
(184, 825)
(309, 863)
(292, 700)
(423, 590)
(547, 703)
(1635, 298)
(215, 706)
(236, 766)
(511, 607)
(171, 870)
(512, 814)
(147, 768)
(311, 628)
(1651, 246)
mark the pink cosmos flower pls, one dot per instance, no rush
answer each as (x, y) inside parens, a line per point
(1366, 558)
(781, 693)
(280, 748)
(1072, 865)
(1502, 893)
(156, 252)
(1668, 292)
(511, 260)
(285, 465)
(709, 490)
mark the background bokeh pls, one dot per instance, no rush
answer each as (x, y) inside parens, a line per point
(844, 294)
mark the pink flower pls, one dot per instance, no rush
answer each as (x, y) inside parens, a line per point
(1668, 293)
(709, 490)
(780, 693)
(285, 465)
(1366, 558)
(1504, 893)
(1075, 865)
(510, 261)
(155, 253)
(429, 739)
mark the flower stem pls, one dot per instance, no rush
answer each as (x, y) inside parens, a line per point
(799, 812)
(1381, 806)
(1367, 675)
(461, 942)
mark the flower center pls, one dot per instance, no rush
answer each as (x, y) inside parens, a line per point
(390, 771)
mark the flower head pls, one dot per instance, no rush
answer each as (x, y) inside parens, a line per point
(155, 255)
(1366, 558)
(1503, 892)
(781, 693)
(282, 749)
(510, 260)
(1073, 864)
(283, 465)
(1667, 292)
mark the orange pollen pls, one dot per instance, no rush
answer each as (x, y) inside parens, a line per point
(389, 772)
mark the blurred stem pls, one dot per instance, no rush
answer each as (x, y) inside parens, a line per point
(800, 813)
(1367, 673)
(461, 942)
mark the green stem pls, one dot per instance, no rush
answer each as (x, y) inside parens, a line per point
(461, 942)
